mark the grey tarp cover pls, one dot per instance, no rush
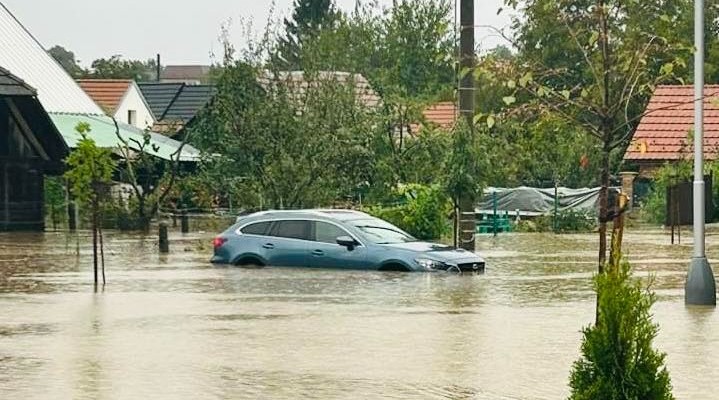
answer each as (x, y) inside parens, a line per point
(535, 201)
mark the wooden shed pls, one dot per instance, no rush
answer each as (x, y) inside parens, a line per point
(30, 148)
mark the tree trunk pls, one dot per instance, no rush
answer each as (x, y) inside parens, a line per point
(603, 207)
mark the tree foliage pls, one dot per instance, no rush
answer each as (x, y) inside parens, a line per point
(606, 62)
(423, 211)
(294, 139)
(309, 18)
(618, 359)
(89, 168)
(67, 60)
(115, 67)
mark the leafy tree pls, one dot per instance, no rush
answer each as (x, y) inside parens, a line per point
(55, 199)
(67, 60)
(406, 51)
(89, 174)
(309, 17)
(618, 361)
(295, 140)
(116, 67)
(600, 76)
(151, 179)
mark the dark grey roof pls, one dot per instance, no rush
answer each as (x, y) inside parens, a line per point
(159, 96)
(189, 102)
(11, 85)
(176, 101)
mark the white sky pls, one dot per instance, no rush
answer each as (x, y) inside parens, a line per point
(182, 31)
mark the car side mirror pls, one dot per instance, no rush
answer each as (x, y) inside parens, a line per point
(347, 242)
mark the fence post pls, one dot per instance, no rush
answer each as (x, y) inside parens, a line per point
(556, 207)
(494, 211)
(164, 241)
(185, 222)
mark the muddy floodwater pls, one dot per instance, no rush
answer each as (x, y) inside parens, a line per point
(177, 327)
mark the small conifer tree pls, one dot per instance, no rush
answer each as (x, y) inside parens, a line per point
(618, 361)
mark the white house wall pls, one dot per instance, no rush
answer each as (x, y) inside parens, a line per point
(133, 100)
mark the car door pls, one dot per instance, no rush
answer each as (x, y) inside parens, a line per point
(326, 253)
(288, 243)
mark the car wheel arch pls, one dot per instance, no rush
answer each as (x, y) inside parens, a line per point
(250, 259)
(395, 265)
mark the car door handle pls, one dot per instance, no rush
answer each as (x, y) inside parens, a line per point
(268, 246)
(318, 253)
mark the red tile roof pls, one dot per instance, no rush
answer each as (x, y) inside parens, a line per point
(662, 132)
(107, 93)
(442, 114)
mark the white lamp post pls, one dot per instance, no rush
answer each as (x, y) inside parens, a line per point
(700, 287)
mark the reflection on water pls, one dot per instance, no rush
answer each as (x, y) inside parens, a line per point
(174, 326)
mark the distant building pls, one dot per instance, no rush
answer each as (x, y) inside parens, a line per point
(442, 115)
(663, 132)
(175, 105)
(30, 148)
(187, 74)
(120, 98)
(297, 79)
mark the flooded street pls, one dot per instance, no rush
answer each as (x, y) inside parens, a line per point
(176, 327)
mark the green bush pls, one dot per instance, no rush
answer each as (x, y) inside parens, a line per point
(423, 211)
(618, 361)
(567, 221)
(55, 206)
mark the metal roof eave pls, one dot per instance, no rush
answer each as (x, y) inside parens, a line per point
(102, 131)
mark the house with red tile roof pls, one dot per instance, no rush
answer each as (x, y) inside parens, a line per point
(120, 98)
(663, 132)
(443, 115)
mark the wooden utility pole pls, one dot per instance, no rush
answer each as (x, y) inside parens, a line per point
(467, 220)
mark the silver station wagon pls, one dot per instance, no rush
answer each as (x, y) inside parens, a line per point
(344, 239)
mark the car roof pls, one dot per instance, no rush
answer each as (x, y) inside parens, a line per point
(337, 214)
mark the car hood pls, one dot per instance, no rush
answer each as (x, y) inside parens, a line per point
(437, 251)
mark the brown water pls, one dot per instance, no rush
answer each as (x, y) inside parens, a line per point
(176, 327)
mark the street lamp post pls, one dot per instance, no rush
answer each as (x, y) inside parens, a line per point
(700, 287)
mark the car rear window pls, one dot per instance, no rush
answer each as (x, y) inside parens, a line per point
(258, 228)
(293, 229)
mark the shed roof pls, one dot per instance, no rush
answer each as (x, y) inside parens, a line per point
(11, 85)
(103, 133)
(663, 130)
(107, 93)
(22, 54)
(20, 95)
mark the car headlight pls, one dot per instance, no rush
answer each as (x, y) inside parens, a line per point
(428, 264)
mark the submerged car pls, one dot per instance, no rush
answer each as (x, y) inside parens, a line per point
(343, 239)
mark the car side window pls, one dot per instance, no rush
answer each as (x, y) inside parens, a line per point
(259, 228)
(328, 233)
(292, 229)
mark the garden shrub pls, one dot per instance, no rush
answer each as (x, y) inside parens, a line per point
(567, 221)
(423, 211)
(618, 361)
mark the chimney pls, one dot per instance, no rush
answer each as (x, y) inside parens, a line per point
(159, 67)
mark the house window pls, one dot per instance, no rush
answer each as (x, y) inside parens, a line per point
(131, 117)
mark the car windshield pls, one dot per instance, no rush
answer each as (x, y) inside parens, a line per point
(381, 232)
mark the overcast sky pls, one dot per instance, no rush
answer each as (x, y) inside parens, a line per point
(182, 31)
